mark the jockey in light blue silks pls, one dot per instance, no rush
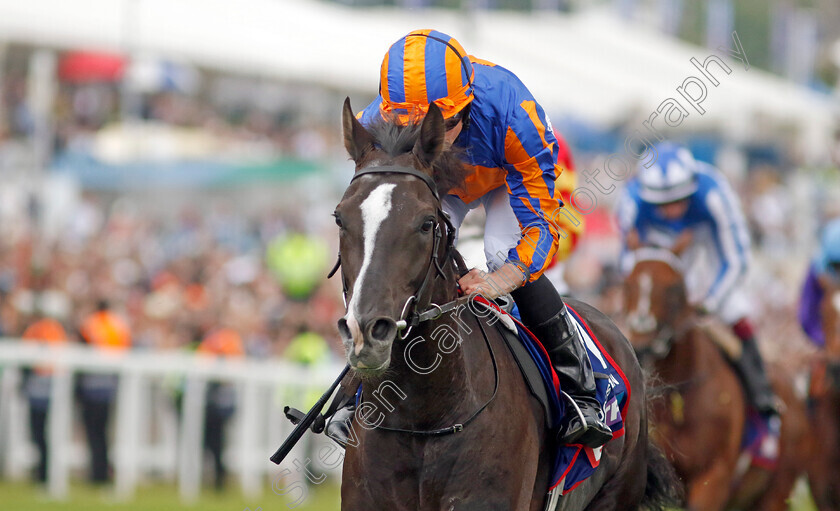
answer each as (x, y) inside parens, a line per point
(676, 194)
(823, 274)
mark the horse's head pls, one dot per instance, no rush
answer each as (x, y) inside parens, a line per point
(654, 299)
(393, 234)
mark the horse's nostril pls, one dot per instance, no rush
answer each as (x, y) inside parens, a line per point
(343, 329)
(383, 329)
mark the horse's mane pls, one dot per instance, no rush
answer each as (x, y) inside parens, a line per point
(448, 170)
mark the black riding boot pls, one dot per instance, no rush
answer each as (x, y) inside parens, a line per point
(750, 369)
(339, 423)
(545, 314)
(338, 426)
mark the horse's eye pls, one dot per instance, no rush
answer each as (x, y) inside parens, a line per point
(337, 220)
(428, 225)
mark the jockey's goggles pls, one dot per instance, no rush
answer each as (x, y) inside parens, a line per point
(453, 121)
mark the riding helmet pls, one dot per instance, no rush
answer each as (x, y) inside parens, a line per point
(672, 177)
(423, 67)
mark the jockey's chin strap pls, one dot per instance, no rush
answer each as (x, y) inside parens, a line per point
(410, 317)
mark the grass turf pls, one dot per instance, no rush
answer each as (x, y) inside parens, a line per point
(28, 497)
(325, 497)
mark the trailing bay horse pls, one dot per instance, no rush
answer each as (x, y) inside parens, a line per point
(446, 420)
(700, 418)
(823, 474)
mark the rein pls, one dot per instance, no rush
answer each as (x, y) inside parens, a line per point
(410, 317)
(666, 336)
(661, 346)
(457, 428)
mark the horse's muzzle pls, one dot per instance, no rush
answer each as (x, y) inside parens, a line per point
(381, 330)
(368, 345)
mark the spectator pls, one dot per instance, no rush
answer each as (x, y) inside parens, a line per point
(104, 330)
(37, 385)
(299, 262)
(221, 399)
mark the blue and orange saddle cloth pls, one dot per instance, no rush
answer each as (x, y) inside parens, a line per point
(574, 463)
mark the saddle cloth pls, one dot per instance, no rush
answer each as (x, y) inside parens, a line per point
(760, 443)
(572, 463)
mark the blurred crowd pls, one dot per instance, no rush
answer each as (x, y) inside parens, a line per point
(238, 119)
(175, 281)
(224, 284)
(175, 278)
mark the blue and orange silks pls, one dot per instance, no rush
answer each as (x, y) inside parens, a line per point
(509, 140)
(424, 67)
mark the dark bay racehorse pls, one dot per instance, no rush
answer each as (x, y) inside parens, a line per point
(447, 422)
(824, 474)
(701, 416)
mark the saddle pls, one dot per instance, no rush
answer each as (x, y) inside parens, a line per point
(535, 376)
(721, 335)
(572, 463)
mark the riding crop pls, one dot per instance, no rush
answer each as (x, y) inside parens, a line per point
(306, 421)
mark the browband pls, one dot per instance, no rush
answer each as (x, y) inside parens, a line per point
(393, 169)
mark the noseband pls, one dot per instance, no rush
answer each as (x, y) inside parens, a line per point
(659, 347)
(410, 317)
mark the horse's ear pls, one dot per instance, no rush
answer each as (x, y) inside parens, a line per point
(432, 131)
(357, 140)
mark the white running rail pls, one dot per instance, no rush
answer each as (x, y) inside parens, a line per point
(142, 407)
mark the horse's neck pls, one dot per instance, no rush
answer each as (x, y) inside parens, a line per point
(684, 358)
(694, 356)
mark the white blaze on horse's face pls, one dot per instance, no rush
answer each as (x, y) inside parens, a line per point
(375, 209)
(641, 320)
(835, 300)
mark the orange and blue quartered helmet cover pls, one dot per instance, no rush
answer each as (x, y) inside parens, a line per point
(424, 67)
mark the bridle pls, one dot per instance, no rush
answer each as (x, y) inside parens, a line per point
(410, 316)
(660, 346)
(666, 334)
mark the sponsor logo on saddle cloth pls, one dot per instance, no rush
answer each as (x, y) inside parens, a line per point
(575, 463)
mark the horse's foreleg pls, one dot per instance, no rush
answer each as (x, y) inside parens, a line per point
(710, 490)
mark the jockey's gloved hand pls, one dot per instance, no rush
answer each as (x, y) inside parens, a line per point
(493, 285)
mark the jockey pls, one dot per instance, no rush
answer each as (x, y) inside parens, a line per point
(677, 194)
(512, 152)
(823, 276)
